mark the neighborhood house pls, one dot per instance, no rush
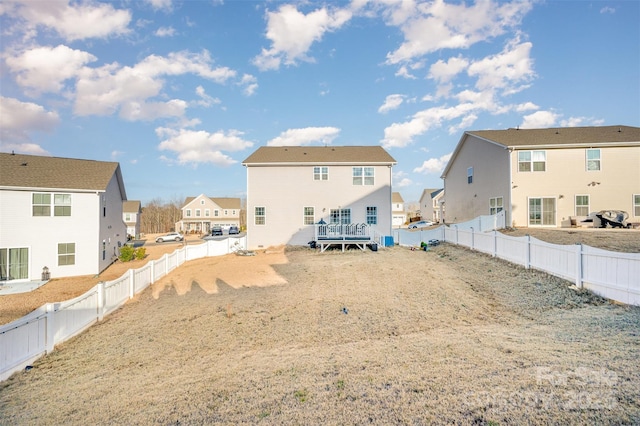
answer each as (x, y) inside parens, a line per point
(59, 217)
(200, 214)
(432, 205)
(131, 211)
(399, 215)
(292, 188)
(544, 177)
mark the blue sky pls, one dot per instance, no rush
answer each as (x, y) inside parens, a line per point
(181, 92)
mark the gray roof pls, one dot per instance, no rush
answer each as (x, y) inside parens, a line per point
(274, 155)
(131, 206)
(565, 136)
(223, 202)
(39, 172)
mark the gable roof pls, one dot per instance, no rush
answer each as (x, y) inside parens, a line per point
(55, 173)
(280, 155)
(562, 137)
(555, 137)
(131, 206)
(396, 197)
(222, 202)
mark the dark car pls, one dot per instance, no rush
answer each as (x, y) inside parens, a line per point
(233, 230)
(216, 230)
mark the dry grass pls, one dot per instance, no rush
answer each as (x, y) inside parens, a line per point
(397, 336)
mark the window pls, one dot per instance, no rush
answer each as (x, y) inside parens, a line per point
(66, 254)
(14, 264)
(582, 205)
(363, 176)
(260, 215)
(372, 215)
(216, 213)
(309, 216)
(342, 216)
(41, 204)
(197, 212)
(593, 160)
(470, 175)
(542, 211)
(207, 212)
(532, 161)
(202, 202)
(127, 217)
(226, 212)
(233, 212)
(62, 204)
(320, 173)
(636, 205)
(187, 213)
(495, 205)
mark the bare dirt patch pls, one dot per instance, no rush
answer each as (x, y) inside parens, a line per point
(622, 240)
(447, 336)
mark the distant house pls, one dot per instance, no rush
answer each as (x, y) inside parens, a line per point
(201, 213)
(289, 189)
(544, 177)
(60, 213)
(432, 205)
(397, 210)
(131, 211)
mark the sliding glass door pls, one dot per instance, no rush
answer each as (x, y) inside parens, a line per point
(14, 264)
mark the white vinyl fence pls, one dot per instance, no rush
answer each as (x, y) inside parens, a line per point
(28, 338)
(613, 275)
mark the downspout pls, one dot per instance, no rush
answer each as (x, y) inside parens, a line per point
(508, 219)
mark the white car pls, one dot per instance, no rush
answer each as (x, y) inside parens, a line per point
(421, 224)
(171, 236)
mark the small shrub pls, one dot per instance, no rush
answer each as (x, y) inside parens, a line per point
(126, 253)
(140, 253)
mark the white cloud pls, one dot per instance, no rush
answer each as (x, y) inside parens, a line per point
(428, 27)
(434, 165)
(509, 70)
(400, 180)
(165, 32)
(399, 135)
(305, 136)
(445, 71)
(539, 120)
(250, 84)
(205, 100)
(581, 121)
(292, 33)
(390, 103)
(45, 69)
(194, 147)
(75, 21)
(102, 91)
(160, 4)
(608, 9)
(18, 119)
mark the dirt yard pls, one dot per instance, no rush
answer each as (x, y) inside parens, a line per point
(447, 336)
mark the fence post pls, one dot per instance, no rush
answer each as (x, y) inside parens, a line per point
(50, 328)
(578, 265)
(472, 238)
(132, 284)
(495, 243)
(456, 234)
(527, 253)
(153, 271)
(101, 301)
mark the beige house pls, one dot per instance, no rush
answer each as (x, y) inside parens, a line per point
(289, 189)
(131, 211)
(432, 205)
(544, 177)
(397, 210)
(201, 213)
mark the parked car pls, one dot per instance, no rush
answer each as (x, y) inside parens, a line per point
(233, 230)
(421, 224)
(171, 236)
(216, 230)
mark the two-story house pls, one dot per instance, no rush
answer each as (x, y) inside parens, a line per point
(291, 188)
(60, 213)
(544, 177)
(399, 216)
(432, 205)
(201, 213)
(131, 211)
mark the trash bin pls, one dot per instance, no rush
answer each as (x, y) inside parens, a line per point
(374, 246)
(388, 241)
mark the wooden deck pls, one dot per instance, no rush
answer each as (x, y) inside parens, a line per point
(359, 234)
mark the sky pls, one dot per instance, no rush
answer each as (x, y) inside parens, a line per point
(180, 92)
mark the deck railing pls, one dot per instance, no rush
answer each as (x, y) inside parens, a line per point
(339, 231)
